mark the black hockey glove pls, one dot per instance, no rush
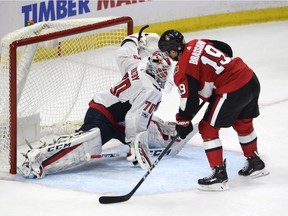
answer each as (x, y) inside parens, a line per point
(183, 126)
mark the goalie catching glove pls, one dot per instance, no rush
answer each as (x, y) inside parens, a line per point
(147, 44)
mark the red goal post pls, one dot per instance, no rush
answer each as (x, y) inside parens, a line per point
(49, 72)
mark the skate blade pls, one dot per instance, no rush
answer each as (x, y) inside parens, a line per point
(214, 187)
(259, 173)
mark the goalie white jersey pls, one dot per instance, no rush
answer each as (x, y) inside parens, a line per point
(131, 102)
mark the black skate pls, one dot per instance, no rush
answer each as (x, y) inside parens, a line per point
(254, 167)
(217, 181)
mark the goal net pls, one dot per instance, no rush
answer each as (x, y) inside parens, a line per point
(49, 73)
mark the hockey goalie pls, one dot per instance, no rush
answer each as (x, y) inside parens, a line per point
(123, 112)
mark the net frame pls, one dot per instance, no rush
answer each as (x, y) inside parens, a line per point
(13, 71)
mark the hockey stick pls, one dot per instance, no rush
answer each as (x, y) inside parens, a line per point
(123, 198)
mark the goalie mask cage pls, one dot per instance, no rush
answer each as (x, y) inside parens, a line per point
(49, 73)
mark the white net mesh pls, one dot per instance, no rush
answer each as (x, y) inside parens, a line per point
(57, 78)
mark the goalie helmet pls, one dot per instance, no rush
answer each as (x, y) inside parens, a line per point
(171, 40)
(159, 67)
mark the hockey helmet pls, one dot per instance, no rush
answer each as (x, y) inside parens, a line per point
(171, 40)
(159, 66)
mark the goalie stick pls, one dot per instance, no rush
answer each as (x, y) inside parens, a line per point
(104, 155)
(153, 152)
(126, 197)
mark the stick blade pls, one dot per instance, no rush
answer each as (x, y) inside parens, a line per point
(113, 199)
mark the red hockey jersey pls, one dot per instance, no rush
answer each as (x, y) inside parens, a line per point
(215, 71)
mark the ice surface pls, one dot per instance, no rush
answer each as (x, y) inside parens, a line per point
(171, 188)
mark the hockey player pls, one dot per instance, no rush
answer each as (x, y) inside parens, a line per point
(134, 49)
(206, 70)
(123, 112)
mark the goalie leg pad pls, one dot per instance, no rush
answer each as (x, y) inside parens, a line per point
(161, 134)
(180, 143)
(66, 158)
(65, 153)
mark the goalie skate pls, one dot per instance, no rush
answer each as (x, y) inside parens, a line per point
(32, 166)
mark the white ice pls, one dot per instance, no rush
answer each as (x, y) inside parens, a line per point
(171, 188)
